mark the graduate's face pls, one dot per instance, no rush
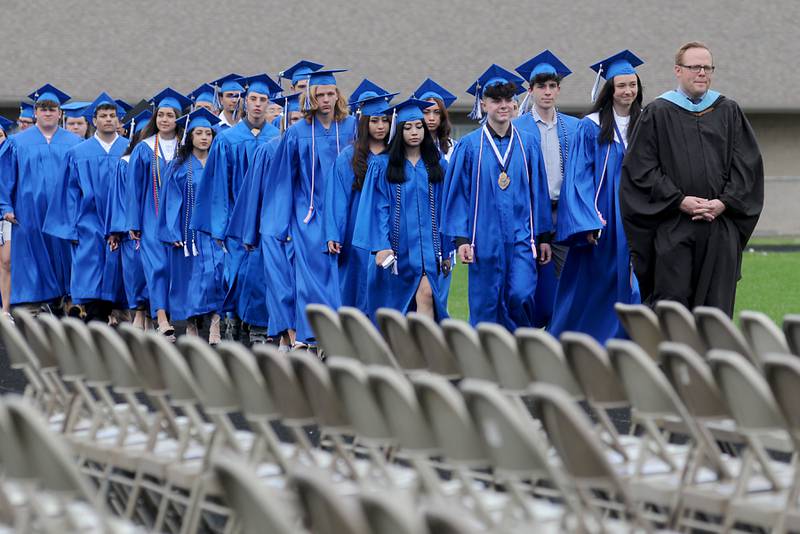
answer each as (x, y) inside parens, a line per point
(229, 100)
(2, 136)
(105, 120)
(273, 110)
(379, 127)
(626, 87)
(294, 116)
(498, 110)
(23, 123)
(413, 133)
(695, 84)
(205, 105)
(545, 94)
(256, 106)
(326, 96)
(433, 115)
(47, 116)
(202, 137)
(300, 85)
(77, 125)
(165, 120)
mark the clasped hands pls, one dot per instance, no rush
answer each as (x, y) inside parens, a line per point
(702, 209)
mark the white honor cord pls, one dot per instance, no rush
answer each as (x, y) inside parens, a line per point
(530, 207)
(600, 185)
(314, 165)
(477, 197)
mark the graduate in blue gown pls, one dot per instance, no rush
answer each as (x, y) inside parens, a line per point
(203, 97)
(554, 132)
(197, 288)
(77, 213)
(228, 163)
(75, 120)
(26, 117)
(344, 191)
(6, 127)
(146, 177)
(31, 163)
(300, 171)
(399, 216)
(228, 93)
(497, 208)
(598, 270)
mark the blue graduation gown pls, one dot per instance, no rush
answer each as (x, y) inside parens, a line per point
(547, 281)
(196, 278)
(290, 186)
(407, 228)
(30, 168)
(228, 163)
(594, 277)
(341, 208)
(142, 213)
(502, 278)
(77, 213)
(116, 223)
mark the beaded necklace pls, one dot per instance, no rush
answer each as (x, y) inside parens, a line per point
(156, 174)
(189, 209)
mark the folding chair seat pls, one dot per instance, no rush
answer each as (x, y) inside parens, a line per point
(394, 327)
(464, 344)
(370, 348)
(791, 329)
(544, 358)
(678, 325)
(324, 510)
(328, 331)
(256, 508)
(719, 332)
(431, 342)
(641, 324)
(501, 348)
(440, 520)
(389, 514)
(762, 335)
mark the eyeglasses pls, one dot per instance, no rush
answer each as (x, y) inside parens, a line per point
(695, 69)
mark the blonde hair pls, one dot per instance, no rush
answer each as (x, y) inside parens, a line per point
(686, 46)
(340, 109)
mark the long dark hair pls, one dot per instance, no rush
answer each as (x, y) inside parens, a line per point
(361, 152)
(605, 106)
(396, 172)
(152, 128)
(185, 149)
(444, 129)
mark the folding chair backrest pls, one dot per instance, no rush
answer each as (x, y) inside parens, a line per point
(441, 520)
(677, 324)
(248, 382)
(544, 359)
(693, 381)
(782, 373)
(14, 457)
(326, 512)
(47, 455)
(465, 345)
(61, 347)
(349, 379)
(370, 347)
(35, 336)
(328, 331)
(144, 360)
(588, 361)
(791, 329)
(20, 353)
(394, 328)
(215, 386)
(746, 392)
(256, 507)
(282, 383)
(641, 324)
(390, 515)
(94, 368)
(719, 332)
(434, 347)
(447, 414)
(183, 388)
(763, 335)
(116, 357)
(501, 348)
(315, 380)
(401, 410)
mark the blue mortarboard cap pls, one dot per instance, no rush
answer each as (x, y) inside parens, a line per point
(289, 103)
(365, 90)
(6, 125)
(624, 62)
(376, 105)
(409, 110)
(102, 98)
(324, 77)
(299, 71)
(228, 83)
(544, 63)
(139, 121)
(204, 93)
(262, 84)
(170, 98)
(494, 75)
(200, 117)
(76, 109)
(122, 107)
(25, 110)
(48, 93)
(430, 89)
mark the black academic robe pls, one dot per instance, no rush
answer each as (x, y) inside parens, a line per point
(710, 154)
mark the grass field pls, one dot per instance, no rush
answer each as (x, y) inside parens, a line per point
(770, 283)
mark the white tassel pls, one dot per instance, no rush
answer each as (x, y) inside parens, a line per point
(523, 107)
(596, 85)
(476, 113)
(307, 101)
(194, 248)
(393, 127)
(185, 250)
(133, 128)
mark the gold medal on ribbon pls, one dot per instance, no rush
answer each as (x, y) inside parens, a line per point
(503, 180)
